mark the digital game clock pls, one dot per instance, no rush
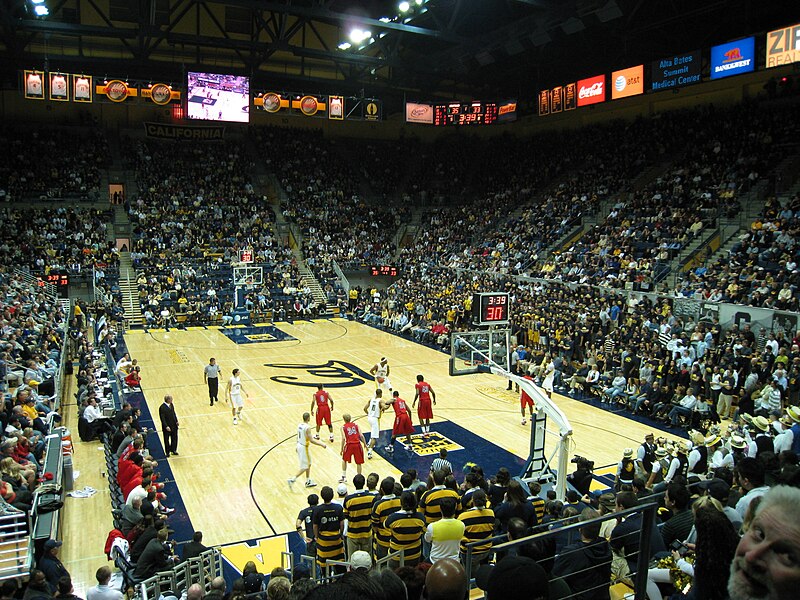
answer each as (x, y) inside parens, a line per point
(491, 308)
(385, 270)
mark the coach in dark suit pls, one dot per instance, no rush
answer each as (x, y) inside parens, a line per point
(169, 426)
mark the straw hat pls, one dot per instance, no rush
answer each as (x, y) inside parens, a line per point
(738, 441)
(712, 440)
(627, 453)
(761, 423)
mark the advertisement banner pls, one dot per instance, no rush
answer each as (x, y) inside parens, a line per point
(372, 110)
(82, 88)
(59, 87)
(507, 111)
(570, 96)
(783, 46)
(592, 90)
(734, 314)
(33, 82)
(419, 113)
(557, 99)
(627, 82)
(677, 71)
(336, 108)
(544, 103)
(733, 58)
(189, 133)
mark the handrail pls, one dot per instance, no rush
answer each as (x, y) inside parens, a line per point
(648, 512)
(201, 569)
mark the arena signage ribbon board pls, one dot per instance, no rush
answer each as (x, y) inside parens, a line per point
(783, 46)
(676, 71)
(592, 90)
(627, 82)
(733, 58)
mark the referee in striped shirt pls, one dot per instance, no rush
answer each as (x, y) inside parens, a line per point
(441, 463)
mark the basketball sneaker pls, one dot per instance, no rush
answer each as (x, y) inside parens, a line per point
(331, 438)
(311, 483)
(524, 422)
(406, 446)
(235, 421)
(290, 481)
(389, 449)
(342, 479)
(316, 437)
(369, 453)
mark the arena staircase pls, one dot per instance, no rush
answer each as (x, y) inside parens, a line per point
(130, 292)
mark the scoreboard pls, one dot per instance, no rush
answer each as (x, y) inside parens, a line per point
(460, 113)
(383, 270)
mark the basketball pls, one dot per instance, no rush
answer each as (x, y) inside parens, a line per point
(380, 379)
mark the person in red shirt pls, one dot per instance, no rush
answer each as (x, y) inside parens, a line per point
(323, 402)
(134, 379)
(402, 421)
(353, 444)
(525, 400)
(426, 397)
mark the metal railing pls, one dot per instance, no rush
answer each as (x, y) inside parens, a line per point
(648, 512)
(48, 288)
(16, 550)
(342, 279)
(201, 570)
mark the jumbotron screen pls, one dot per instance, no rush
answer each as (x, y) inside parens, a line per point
(218, 97)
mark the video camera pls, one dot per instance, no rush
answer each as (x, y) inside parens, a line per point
(582, 462)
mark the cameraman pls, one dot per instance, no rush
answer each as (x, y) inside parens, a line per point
(581, 479)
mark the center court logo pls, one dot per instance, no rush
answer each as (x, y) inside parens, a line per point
(332, 374)
(428, 446)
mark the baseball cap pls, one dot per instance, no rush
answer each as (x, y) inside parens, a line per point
(50, 544)
(716, 488)
(514, 578)
(342, 489)
(360, 560)
(33, 382)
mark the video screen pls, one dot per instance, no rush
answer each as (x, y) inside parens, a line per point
(218, 97)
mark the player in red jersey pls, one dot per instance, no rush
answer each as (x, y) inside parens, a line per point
(402, 421)
(323, 402)
(426, 397)
(525, 400)
(353, 443)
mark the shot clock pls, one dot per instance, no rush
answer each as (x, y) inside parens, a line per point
(491, 308)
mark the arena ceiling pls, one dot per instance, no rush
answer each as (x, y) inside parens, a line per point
(440, 49)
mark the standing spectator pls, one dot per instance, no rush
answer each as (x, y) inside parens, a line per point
(357, 510)
(445, 535)
(406, 527)
(169, 426)
(305, 524)
(328, 528)
(586, 564)
(51, 565)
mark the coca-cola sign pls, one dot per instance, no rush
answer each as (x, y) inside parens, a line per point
(592, 90)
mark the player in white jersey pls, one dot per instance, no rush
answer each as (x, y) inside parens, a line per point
(304, 440)
(381, 373)
(235, 393)
(374, 408)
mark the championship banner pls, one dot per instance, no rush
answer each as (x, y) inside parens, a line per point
(336, 108)
(271, 102)
(190, 133)
(557, 99)
(309, 105)
(544, 103)
(116, 90)
(160, 93)
(59, 87)
(33, 82)
(82, 88)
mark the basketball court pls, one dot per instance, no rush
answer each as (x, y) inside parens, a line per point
(229, 481)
